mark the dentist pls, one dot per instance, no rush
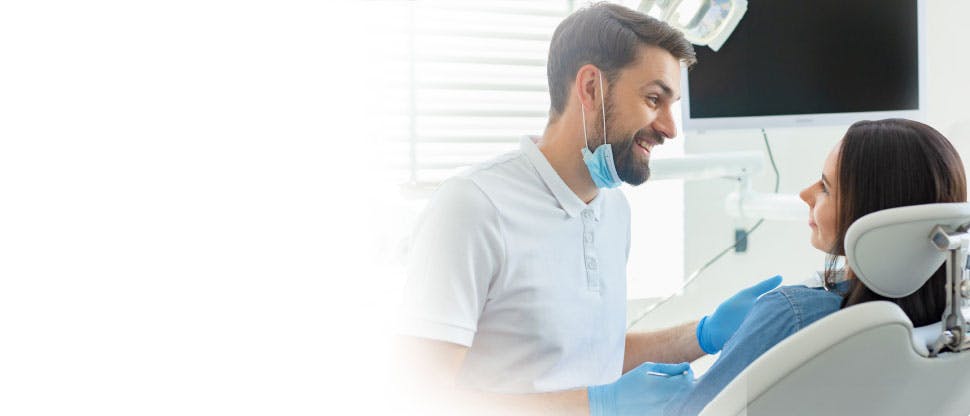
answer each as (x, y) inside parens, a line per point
(516, 293)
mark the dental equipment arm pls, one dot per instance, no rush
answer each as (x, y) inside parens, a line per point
(956, 243)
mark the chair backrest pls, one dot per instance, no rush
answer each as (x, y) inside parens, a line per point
(859, 361)
(890, 250)
(866, 359)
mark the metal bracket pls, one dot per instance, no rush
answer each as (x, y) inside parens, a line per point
(954, 323)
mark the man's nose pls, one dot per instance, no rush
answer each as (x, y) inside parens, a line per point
(664, 124)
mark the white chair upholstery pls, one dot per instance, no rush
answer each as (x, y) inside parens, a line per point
(866, 359)
(888, 250)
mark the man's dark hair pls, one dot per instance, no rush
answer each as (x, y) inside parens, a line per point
(608, 36)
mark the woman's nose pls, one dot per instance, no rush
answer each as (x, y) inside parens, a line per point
(806, 196)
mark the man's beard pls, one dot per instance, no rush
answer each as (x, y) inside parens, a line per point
(630, 166)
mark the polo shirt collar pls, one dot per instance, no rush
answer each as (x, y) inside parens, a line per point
(567, 199)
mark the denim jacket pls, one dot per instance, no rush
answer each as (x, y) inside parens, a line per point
(774, 317)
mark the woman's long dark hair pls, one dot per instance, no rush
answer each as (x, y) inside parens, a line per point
(893, 163)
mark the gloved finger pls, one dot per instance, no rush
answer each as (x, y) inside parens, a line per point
(664, 368)
(763, 287)
(687, 374)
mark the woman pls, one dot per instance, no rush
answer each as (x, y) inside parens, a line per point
(877, 165)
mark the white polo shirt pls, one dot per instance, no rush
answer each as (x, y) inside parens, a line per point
(509, 262)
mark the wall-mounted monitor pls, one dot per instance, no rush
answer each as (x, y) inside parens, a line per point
(811, 62)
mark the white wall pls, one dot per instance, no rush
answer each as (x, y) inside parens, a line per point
(782, 247)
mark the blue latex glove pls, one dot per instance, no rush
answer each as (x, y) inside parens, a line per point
(715, 329)
(642, 391)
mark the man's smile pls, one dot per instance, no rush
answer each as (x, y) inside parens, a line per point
(646, 143)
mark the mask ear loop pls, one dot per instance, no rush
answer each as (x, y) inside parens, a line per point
(582, 112)
(603, 105)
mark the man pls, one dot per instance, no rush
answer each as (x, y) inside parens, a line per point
(516, 286)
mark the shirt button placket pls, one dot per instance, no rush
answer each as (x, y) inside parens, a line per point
(589, 250)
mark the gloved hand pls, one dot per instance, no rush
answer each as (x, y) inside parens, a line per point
(642, 391)
(715, 329)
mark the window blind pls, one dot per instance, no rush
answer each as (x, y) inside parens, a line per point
(467, 80)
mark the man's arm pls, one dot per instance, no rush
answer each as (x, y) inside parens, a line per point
(671, 345)
(690, 341)
(425, 376)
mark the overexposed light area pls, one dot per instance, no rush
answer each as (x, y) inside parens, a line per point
(656, 265)
(686, 11)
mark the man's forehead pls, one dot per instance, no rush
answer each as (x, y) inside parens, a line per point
(655, 68)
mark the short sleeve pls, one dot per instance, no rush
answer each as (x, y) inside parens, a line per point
(771, 320)
(456, 250)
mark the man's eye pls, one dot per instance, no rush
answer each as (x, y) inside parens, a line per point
(653, 100)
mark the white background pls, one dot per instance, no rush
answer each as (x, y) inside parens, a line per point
(181, 192)
(186, 196)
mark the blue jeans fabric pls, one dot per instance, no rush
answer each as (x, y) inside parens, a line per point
(775, 316)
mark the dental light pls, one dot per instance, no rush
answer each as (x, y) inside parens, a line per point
(703, 22)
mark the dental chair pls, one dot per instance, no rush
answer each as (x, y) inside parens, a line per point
(868, 359)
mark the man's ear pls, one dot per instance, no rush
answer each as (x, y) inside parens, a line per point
(587, 85)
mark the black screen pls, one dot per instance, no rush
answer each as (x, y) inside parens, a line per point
(811, 56)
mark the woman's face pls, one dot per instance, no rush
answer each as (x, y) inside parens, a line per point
(821, 198)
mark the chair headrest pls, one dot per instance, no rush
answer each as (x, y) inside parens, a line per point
(890, 250)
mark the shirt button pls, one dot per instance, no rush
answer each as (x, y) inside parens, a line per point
(588, 237)
(588, 214)
(591, 263)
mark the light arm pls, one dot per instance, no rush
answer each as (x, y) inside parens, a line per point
(671, 345)
(425, 373)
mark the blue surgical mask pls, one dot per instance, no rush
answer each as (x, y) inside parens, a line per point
(601, 167)
(600, 162)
